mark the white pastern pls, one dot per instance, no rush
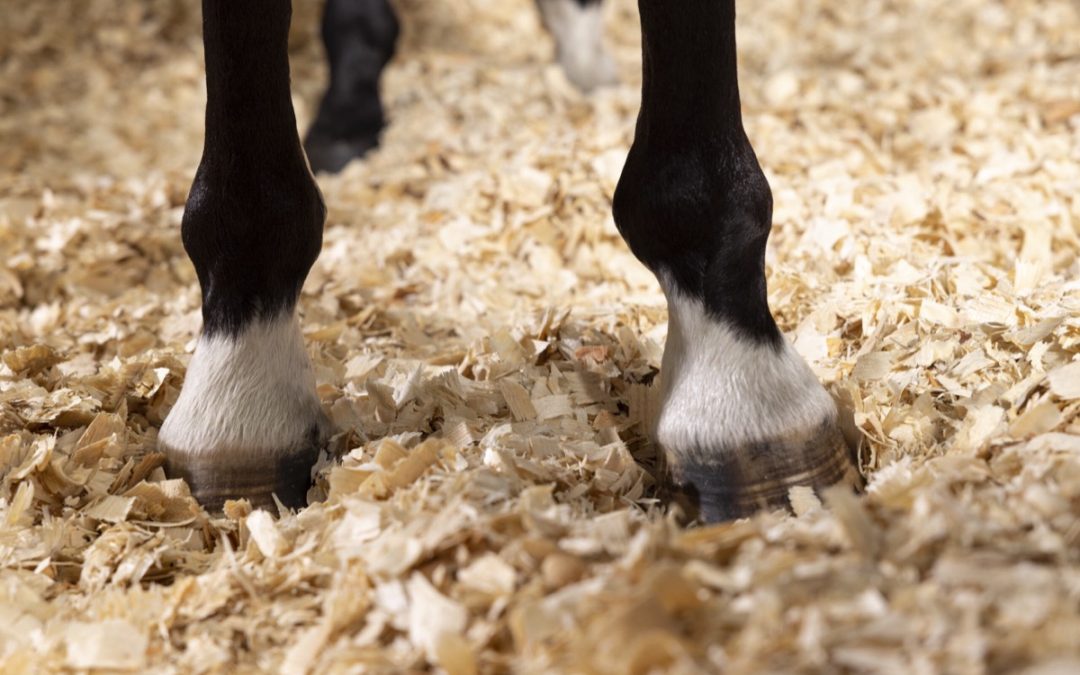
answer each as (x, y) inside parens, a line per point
(720, 389)
(579, 38)
(251, 393)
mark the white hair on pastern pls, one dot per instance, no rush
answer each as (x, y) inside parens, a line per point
(253, 392)
(720, 389)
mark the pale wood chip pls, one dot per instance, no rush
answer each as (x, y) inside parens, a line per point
(1065, 381)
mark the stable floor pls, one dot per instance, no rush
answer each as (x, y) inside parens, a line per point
(488, 349)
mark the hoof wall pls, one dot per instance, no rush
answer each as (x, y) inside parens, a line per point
(218, 477)
(737, 482)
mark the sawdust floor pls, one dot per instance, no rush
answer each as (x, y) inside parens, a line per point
(487, 347)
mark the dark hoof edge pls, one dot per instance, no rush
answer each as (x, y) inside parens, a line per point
(737, 482)
(331, 155)
(216, 478)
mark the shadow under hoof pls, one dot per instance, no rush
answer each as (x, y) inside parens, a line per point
(724, 484)
(221, 476)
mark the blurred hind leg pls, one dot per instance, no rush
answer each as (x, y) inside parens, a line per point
(359, 36)
(578, 29)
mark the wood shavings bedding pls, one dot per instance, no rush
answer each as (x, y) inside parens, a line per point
(487, 348)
